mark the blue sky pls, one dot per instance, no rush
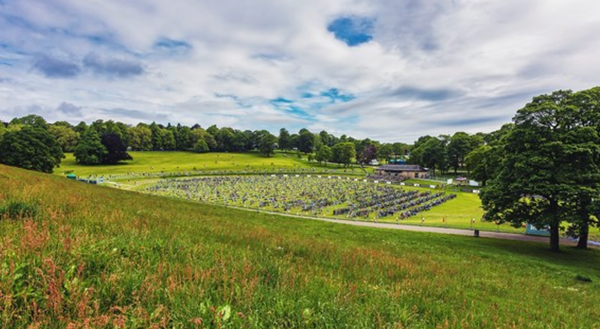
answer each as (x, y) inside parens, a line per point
(391, 70)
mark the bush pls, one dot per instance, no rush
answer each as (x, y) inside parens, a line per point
(18, 209)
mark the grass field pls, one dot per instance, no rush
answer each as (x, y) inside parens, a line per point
(153, 162)
(457, 213)
(92, 256)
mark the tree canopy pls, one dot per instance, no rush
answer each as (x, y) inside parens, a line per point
(31, 147)
(548, 171)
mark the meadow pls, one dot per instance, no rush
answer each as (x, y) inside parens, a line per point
(156, 162)
(74, 255)
(148, 167)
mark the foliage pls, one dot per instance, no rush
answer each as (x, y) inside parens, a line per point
(140, 138)
(430, 153)
(549, 166)
(13, 209)
(343, 153)
(306, 141)
(90, 150)
(201, 146)
(267, 144)
(324, 154)
(106, 258)
(31, 120)
(368, 154)
(284, 140)
(459, 146)
(65, 136)
(117, 150)
(2, 129)
(479, 163)
(30, 147)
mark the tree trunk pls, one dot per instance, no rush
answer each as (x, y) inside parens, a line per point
(554, 238)
(583, 236)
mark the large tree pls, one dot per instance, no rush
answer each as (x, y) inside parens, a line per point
(323, 154)
(459, 146)
(284, 141)
(31, 147)
(306, 141)
(368, 154)
(479, 163)
(549, 166)
(430, 152)
(140, 138)
(90, 150)
(343, 153)
(2, 129)
(266, 144)
(116, 147)
(65, 136)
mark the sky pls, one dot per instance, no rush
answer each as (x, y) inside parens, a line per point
(389, 70)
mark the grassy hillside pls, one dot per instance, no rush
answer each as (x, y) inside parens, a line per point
(148, 162)
(91, 256)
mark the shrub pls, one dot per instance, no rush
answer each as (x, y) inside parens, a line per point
(18, 209)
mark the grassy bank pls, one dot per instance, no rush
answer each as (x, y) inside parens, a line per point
(94, 256)
(149, 162)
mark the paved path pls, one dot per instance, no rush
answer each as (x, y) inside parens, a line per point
(441, 230)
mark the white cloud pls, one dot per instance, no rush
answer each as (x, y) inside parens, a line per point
(432, 67)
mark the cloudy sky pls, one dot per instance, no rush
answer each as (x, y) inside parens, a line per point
(391, 70)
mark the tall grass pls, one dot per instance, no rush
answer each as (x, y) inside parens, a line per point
(95, 257)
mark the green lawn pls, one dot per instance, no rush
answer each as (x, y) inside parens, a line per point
(152, 162)
(92, 256)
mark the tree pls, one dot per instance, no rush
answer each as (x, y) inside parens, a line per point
(480, 163)
(326, 139)
(267, 144)
(323, 154)
(201, 146)
(80, 128)
(200, 134)
(116, 147)
(368, 154)
(90, 150)
(460, 145)
(65, 136)
(585, 130)
(184, 138)
(385, 151)
(430, 152)
(140, 138)
(549, 166)
(31, 120)
(306, 141)
(224, 139)
(157, 137)
(2, 129)
(31, 147)
(239, 141)
(284, 139)
(343, 153)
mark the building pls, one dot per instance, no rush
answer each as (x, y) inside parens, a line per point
(403, 170)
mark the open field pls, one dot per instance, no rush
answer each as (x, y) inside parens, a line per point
(155, 162)
(142, 171)
(321, 197)
(90, 255)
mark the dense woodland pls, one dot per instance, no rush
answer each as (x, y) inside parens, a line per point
(543, 168)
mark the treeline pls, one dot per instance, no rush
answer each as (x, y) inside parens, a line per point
(104, 142)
